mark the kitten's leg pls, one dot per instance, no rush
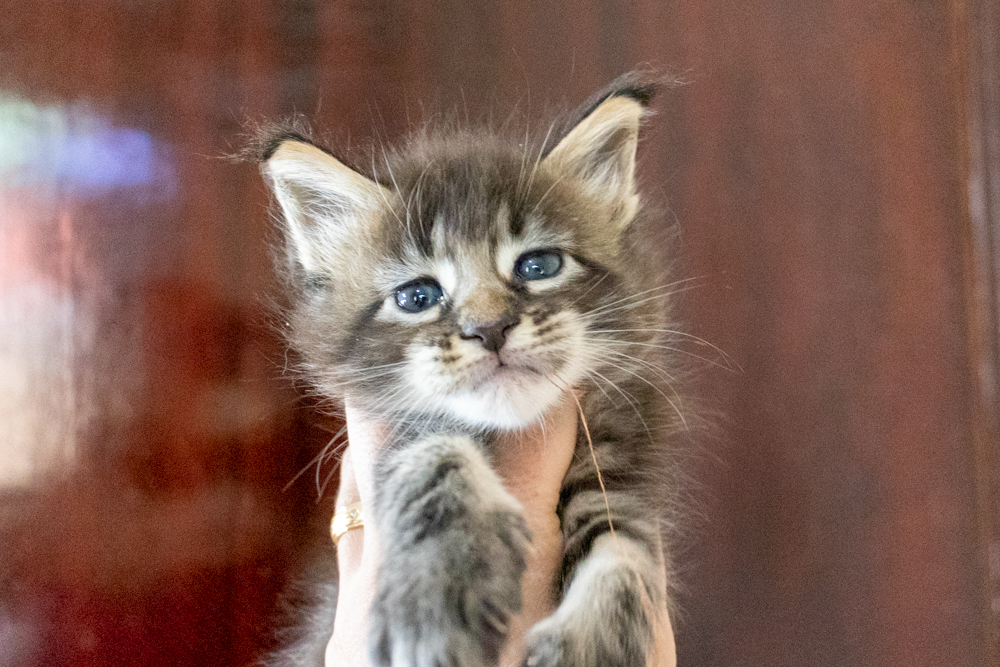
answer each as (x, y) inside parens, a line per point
(453, 543)
(615, 594)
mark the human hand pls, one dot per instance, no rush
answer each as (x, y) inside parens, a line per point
(532, 464)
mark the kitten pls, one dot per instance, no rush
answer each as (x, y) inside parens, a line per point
(457, 288)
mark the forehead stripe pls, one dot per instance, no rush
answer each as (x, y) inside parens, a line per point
(516, 222)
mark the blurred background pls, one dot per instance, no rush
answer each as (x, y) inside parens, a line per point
(834, 167)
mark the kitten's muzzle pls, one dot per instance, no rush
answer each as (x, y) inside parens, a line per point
(491, 335)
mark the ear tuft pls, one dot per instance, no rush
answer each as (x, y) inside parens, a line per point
(640, 86)
(263, 137)
(598, 148)
(270, 144)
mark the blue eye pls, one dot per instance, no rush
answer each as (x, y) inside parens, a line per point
(419, 295)
(538, 264)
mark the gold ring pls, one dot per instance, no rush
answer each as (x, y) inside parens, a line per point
(346, 518)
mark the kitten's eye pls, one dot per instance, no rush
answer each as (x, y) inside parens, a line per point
(419, 295)
(538, 264)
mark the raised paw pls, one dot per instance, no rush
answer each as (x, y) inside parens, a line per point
(605, 620)
(606, 642)
(445, 600)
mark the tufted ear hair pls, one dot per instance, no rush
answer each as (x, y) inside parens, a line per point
(323, 200)
(599, 147)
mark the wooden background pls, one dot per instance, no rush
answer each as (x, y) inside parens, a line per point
(835, 167)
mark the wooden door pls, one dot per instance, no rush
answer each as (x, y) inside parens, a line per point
(834, 167)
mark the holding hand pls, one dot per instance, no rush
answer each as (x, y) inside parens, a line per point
(532, 465)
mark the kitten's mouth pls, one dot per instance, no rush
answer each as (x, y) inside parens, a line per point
(509, 389)
(497, 368)
(494, 367)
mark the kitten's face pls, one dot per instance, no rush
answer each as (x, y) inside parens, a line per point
(468, 285)
(481, 305)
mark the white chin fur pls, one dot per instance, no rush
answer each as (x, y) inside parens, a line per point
(511, 402)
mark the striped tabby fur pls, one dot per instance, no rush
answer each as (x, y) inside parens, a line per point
(461, 207)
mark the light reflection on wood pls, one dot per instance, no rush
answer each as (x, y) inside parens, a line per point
(146, 431)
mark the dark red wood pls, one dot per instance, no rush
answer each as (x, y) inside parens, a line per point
(834, 168)
(979, 58)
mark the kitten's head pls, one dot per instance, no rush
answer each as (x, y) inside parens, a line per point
(469, 275)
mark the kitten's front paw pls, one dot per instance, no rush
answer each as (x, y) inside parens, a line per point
(603, 633)
(445, 600)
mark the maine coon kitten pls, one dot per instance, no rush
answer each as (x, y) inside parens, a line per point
(457, 287)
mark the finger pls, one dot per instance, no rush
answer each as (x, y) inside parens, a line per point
(350, 547)
(367, 436)
(533, 462)
(348, 492)
(357, 551)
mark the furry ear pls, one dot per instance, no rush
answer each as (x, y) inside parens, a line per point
(599, 148)
(322, 199)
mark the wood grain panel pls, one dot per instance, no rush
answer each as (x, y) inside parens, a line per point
(978, 57)
(835, 170)
(824, 191)
(169, 538)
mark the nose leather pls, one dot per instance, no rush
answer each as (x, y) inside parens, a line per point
(491, 335)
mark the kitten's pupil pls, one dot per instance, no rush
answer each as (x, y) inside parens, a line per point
(419, 295)
(538, 264)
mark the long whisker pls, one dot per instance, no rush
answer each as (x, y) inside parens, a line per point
(546, 193)
(321, 488)
(415, 193)
(661, 373)
(392, 177)
(631, 400)
(538, 159)
(316, 460)
(604, 310)
(520, 192)
(381, 192)
(660, 391)
(373, 374)
(370, 368)
(589, 289)
(701, 341)
(597, 384)
(358, 375)
(356, 381)
(658, 371)
(646, 291)
(724, 366)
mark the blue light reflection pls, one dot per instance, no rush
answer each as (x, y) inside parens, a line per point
(75, 149)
